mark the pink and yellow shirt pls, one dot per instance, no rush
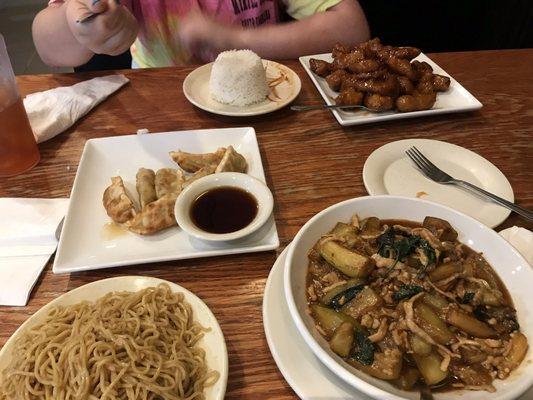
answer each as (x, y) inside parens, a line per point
(158, 45)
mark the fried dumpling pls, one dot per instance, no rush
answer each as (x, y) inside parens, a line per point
(146, 186)
(168, 181)
(232, 162)
(191, 162)
(156, 216)
(207, 170)
(117, 203)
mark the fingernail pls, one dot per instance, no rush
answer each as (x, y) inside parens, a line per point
(95, 2)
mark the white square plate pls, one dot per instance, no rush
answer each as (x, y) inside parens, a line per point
(83, 245)
(456, 99)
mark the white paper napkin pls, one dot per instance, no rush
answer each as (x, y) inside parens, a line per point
(53, 111)
(522, 240)
(27, 240)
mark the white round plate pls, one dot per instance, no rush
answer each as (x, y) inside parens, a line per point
(388, 170)
(511, 267)
(304, 372)
(213, 342)
(196, 90)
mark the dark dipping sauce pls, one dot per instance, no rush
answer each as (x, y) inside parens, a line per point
(223, 210)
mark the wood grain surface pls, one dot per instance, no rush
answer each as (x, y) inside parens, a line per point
(310, 162)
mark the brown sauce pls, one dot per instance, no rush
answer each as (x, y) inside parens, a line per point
(223, 210)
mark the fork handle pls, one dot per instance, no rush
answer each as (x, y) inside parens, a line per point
(511, 206)
(328, 106)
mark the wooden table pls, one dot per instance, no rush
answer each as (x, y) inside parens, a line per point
(310, 162)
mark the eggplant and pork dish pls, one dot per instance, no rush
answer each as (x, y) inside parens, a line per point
(408, 303)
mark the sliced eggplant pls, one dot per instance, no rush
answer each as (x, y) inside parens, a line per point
(429, 367)
(332, 293)
(329, 320)
(366, 301)
(345, 260)
(470, 325)
(342, 340)
(441, 228)
(419, 346)
(434, 326)
(444, 271)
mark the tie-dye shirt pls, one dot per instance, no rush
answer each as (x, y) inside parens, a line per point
(158, 45)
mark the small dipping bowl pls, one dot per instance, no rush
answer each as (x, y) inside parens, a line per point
(251, 185)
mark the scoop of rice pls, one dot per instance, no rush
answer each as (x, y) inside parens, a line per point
(238, 78)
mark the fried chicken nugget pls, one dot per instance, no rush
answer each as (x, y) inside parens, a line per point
(349, 96)
(377, 102)
(403, 67)
(406, 52)
(367, 65)
(344, 60)
(379, 73)
(339, 49)
(441, 83)
(429, 83)
(385, 87)
(406, 86)
(320, 67)
(425, 84)
(370, 48)
(415, 102)
(336, 78)
(421, 67)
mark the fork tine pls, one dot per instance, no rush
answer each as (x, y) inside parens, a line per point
(420, 160)
(426, 160)
(417, 162)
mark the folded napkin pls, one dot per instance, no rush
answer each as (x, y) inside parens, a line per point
(53, 111)
(522, 240)
(27, 240)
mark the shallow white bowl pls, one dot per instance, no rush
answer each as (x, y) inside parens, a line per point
(261, 192)
(506, 261)
(213, 341)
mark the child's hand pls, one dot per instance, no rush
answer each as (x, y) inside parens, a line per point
(111, 32)
(204, 37)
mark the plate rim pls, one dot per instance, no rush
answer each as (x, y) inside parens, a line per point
(216, 329)
(372, 192)
(280, 105)
(57, 268)
(304, 60)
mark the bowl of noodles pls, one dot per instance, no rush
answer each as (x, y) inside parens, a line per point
(119, 338)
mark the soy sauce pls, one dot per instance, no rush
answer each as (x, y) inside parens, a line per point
(223, 210)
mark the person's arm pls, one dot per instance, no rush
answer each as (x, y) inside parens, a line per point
(62, 41)
(344, 22)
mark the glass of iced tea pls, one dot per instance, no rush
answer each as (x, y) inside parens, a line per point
(18, 149)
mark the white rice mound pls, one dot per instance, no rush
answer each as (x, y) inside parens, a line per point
(238, 78)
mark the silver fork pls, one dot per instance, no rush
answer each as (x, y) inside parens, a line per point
(431, 171)
(329, 106)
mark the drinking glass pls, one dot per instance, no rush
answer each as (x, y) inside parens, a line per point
(18, 149)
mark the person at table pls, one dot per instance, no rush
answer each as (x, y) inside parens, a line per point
(180, 32)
